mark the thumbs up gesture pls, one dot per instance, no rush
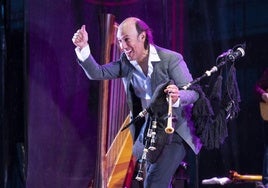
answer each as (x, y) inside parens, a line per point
(80, 38)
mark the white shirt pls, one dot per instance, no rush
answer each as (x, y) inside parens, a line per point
(141, 82)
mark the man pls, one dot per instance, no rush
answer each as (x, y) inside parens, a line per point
(143, 66)
(261, 89)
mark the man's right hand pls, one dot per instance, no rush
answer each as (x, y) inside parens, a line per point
(80, 38)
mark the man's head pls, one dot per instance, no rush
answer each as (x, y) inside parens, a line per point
(134, 37)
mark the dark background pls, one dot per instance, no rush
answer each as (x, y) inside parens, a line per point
(48, 107)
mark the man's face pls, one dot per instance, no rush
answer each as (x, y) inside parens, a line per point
(130, 42)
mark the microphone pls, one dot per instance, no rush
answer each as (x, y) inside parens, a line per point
(234, 55)
(230, 55)
(142, 114)
(138, 117)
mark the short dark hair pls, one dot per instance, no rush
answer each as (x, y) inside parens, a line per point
(142, 26)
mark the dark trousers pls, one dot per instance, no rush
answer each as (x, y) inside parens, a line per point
(160, 173)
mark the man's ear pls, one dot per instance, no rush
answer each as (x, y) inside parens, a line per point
(142, 36)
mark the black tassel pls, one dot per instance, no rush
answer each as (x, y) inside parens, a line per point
(233, 95)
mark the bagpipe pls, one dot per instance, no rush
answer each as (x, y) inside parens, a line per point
(159, 130)
(160, 127)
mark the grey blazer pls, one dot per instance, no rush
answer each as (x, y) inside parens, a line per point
(170, 67)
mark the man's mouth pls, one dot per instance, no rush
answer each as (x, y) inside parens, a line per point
(127, 52)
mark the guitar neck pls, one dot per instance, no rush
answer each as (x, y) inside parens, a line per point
(237, 177)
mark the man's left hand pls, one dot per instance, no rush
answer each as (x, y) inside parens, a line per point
(173, 91)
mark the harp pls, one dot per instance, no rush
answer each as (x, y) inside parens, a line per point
(115, 163)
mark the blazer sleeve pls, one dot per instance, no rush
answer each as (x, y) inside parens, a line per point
(181, 75)
(95, 71)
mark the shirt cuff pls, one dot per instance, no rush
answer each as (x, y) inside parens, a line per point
(83, 53)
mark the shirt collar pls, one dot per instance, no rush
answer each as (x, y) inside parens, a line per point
(153, 56)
